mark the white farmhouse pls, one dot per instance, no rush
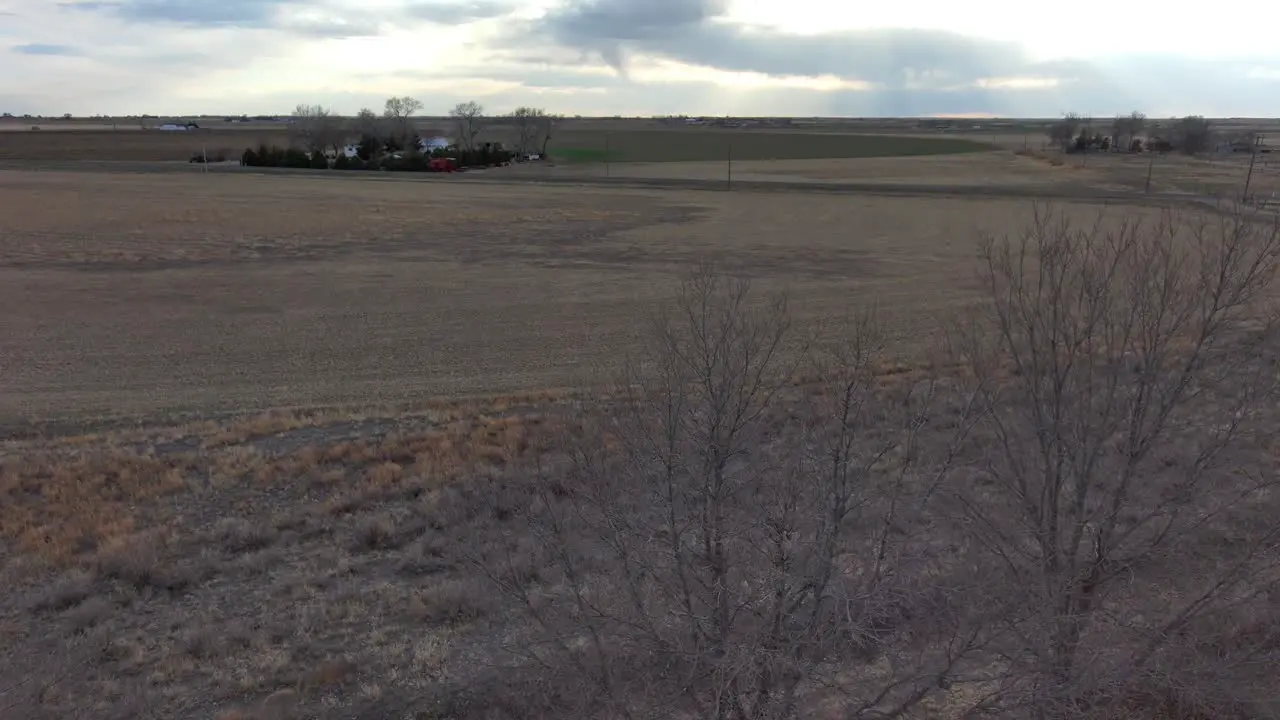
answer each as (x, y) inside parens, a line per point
(431, 144)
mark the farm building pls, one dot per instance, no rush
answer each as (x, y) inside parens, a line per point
(175, 127)
(433, 143)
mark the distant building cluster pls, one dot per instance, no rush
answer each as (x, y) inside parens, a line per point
(728, 122)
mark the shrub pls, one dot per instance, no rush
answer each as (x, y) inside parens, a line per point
(369, 147)
(295, 158)
(414, 161)
(263, 156)
(342, 162)
(406, 162)
(1194, 134)
(319, 161)
(486, 155)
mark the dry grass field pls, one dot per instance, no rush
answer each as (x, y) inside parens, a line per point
(291, 445)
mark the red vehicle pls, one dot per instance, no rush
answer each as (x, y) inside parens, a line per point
(443, 165)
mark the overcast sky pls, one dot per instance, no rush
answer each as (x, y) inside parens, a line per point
(636, 57)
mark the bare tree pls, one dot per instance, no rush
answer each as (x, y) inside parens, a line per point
(1120, 132)
(1193, 134)
(367, 122)
(1119, 367)
(712, 559)
(374, 132)
(317, 128)
(401, 110)
(1063, 132)
(533, 128)
(1126, 128)
(549, 125)
(1136, 126)
(468, 118)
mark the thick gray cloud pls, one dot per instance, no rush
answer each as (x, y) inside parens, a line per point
(324, 22)
(694, 32)
(458, 13)
(908, 71)
(629, 19)
(192, 13)
(47, 49)
(309, 18)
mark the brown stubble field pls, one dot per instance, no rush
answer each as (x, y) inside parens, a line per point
(131, 144)
(137, 294)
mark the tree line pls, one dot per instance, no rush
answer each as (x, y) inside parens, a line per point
(1134, 132)
(318, 130)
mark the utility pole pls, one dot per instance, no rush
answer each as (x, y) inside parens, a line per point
(1086, 133)
(1253, 155)
(730, 165)
(606, 153)
(1151, 164)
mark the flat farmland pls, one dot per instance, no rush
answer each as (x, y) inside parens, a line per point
(285, 445)
(143, 295)
(131, 144)
(957, 172)
(692, 145)
(572, 144)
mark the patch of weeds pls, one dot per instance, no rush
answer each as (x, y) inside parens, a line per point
(453, 508)
(200, 643)
(69, 590)
(345, 504)
(140, 565)
(310, 524)
(332, 673)
(237, 535)
(383, 474)
(507, 501)
(330, 477)
(451, 602)
(260, 562)
(88, 614)
(424, 557)
(378, 533)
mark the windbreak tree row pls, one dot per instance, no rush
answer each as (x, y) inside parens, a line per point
(408, 160)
